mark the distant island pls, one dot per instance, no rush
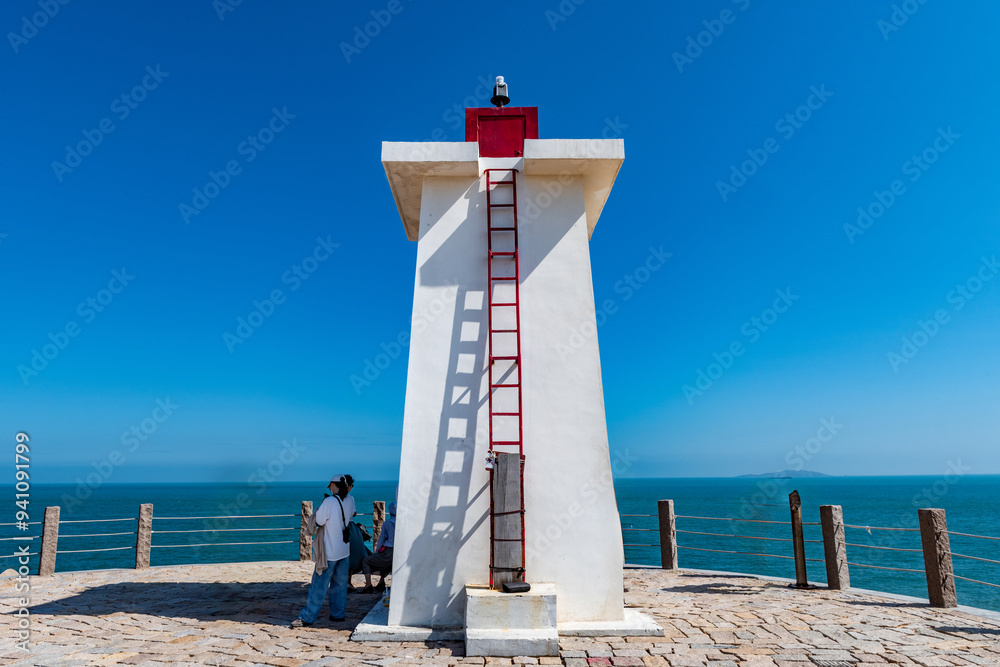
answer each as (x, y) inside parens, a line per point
(786, 474)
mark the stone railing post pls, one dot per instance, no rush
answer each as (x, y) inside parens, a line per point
(798, 540)
(305, 539)
(143, 536)
(50, 540)
(668, 535)
(378, 518)
(937, 558)
(834, 547)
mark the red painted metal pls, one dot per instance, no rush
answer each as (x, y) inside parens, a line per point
(501, 131)
(492, 280)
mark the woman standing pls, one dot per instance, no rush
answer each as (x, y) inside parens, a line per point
(333, 515)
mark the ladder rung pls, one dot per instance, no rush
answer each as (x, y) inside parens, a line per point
(505, 443)
(503, 277)
(504, 358)
(502, 253)
(503, 229)
(501, 206)
(511, 386)
(503, 330)
(503, 304)
(489, 182)
(504, 414)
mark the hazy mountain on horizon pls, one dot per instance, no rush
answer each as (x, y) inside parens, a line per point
(786, 474)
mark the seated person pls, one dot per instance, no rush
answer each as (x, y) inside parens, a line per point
(381, 560)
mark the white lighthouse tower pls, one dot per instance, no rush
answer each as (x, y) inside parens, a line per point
(503, 223)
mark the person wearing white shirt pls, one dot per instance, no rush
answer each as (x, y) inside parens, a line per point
(333, 514)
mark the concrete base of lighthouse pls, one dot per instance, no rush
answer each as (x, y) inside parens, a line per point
(506, 625)
(510, 624)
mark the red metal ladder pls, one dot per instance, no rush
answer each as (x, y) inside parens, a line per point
(504, 344)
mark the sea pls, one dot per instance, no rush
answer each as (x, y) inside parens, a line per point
(725, 524)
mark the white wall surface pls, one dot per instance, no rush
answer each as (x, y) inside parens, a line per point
(573, 529)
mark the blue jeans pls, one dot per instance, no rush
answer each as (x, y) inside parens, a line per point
(335, 572)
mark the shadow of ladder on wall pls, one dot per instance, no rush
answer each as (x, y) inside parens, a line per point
(507, 548)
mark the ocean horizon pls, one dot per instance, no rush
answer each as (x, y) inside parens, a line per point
(735, 514)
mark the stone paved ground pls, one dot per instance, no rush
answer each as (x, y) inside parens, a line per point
(238, 614)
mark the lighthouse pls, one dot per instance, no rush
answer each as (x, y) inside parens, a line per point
(508, 531)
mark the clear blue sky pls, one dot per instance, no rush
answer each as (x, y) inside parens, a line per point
(879, 95)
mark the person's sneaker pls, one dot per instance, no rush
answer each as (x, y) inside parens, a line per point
(338, 619)
(298, 623)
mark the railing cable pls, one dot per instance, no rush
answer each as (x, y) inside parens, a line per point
(870, 528)
(244, 516)
(976, 581)
(879, 567)
(217, 530)
(871, 546)
(986, 560)
(982, 537)
(217, 544)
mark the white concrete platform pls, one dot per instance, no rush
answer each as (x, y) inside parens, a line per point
(375, 628)
(511, 643)
(510, 624)
(634, 624)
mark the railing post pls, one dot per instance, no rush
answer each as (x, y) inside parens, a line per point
(305, 539)
(50, 540)
(668, 535)
(144, 536)
(378, 518)
(798, 540)
(838, 577)
(937, 558)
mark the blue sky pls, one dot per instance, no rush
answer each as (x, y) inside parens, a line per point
(263, 106)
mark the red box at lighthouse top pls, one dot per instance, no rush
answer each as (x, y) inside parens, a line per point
(501, 131)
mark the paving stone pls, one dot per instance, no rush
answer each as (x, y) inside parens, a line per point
(238, 614)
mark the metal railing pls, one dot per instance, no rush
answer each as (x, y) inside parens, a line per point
(976, 558)
(144, 532)
(933, 546)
